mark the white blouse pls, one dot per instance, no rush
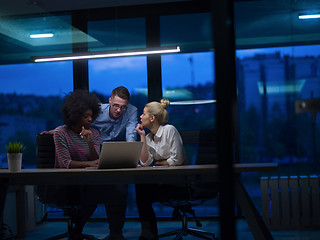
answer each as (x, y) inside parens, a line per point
(166, 145)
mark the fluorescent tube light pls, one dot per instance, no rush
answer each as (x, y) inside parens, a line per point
(42, 35)
(309, 16)
(106, 54)
(193, 102)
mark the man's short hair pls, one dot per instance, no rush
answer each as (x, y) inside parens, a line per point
(121, 92)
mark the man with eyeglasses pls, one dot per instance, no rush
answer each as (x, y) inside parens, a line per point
(117, 122)
(118, 118)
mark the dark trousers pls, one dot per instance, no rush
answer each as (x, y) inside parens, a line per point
(116, 206)
(146, 194)
(86, 198)
(114, 198)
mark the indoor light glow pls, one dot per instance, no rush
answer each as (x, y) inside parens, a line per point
(193, 102)
(309, 16)
(106, 54)
(286, 88)
(42, 35)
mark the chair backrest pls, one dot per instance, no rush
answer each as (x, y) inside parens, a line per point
(206, 154)
(207, 147)
(45, 151)
(59, 195)
(206, 144)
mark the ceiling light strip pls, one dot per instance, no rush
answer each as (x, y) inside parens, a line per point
(193, 102)
(42, 35)
(309, 16)
(106, 54)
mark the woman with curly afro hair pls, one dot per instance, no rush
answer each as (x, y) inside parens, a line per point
(78, 146)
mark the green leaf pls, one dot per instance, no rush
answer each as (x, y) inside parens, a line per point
(15, 147)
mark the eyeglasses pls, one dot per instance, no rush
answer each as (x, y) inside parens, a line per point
(119, 106)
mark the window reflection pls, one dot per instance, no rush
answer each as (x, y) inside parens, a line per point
(189, 31)
(117, 34)
(270, 80)
(188, 81)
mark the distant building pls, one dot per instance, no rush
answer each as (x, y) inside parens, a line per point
(268, 79)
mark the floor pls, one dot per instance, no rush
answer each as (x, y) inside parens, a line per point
(132, 230)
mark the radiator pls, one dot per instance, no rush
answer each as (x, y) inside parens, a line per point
(290, 202)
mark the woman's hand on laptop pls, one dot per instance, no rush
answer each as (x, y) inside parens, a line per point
(163, 162)
(94, 163)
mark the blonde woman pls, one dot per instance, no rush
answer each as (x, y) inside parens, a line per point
(162, 146)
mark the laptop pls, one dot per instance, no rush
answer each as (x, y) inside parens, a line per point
(119, 155)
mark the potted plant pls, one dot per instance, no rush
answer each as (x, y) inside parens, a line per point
(14, 156)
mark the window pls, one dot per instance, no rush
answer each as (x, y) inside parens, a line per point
(270, 81)
(187, 81)
(277, 64)
(107, 74)
(31, 94)
(130, 72)
(117, 34)
(192, 32)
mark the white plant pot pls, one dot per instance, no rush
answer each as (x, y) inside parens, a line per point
(14, 162)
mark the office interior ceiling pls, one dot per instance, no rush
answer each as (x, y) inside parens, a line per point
(22, 7)
(20, 18)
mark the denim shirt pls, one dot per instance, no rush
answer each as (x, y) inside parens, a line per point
(122, 129)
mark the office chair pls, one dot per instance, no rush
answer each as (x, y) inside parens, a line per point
(199, 192)
(61, 197)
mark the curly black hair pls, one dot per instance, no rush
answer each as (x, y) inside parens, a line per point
(76, 104)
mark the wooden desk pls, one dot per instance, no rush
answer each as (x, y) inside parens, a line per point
(181, 174)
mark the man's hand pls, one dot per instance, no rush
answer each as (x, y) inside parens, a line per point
(47, 132)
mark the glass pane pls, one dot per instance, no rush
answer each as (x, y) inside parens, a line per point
(130, 72)
(271, 80)
(30, 98)
(107, 74)
(277, 64)
(192, 32)
(261, 24)
(17, 44)
(117, 34)
(187, 81)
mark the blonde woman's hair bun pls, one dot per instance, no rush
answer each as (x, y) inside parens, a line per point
(158, 109)
(164, 102)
